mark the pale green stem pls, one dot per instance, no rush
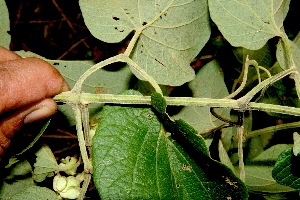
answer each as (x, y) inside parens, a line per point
(85, 185)
(86, 126)
(246, 67)
(117, 58)
(144, 74)
(70, 97)
(246, 99)
(240, 132)
(82, 145)
(273, 129)
(291, 63)
(78, 85)
(133, 41)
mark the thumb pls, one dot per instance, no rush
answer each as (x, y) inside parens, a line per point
(9, 125)
(28, 80)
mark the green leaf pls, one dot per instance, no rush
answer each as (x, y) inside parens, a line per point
(8, 190)
(25, 190)
(4, 25)
(173, 33)
(209, 83)
(259, 179)
(36, 193)
(249, 23)
(262, 56)
(20, 169)
(286, 170)
(45, 164)
(135, 158)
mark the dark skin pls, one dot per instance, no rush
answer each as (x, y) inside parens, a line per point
(26, 88)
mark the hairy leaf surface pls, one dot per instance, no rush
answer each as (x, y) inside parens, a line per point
(45, 164)
(173, 33)
(25, 190)
(249, 23)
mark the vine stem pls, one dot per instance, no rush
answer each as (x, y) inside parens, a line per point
(114, 59)
(82, 144)
(70, 97)
(290, 62)
(240, 132)
(272, 129)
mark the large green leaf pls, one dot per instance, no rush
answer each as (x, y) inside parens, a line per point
(4, 25)
(249, 23)
(135, 158)
(174, 31)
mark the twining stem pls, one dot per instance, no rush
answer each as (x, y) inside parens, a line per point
(70, 97)
(246, 99)
(290, 62)
(114, 59)
(272, 129)
(82, 145)
(85, 185)
(240, 132)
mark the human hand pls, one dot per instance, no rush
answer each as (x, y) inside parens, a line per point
(26, 88)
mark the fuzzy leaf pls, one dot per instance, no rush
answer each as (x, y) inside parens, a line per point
(286, 170)
(135, 158)
(249, 23)
(20, 169)
(45, 164)
(25, 190)
(4, 25)
(173, 33)
(36, 193)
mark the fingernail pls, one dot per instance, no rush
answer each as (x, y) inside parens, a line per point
(65, 87)
(41, 113)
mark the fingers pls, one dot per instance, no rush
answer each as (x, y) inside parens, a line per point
(37, 111)
(6, 55)
(28, 80)
(26, 86)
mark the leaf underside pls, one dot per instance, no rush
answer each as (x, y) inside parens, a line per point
(249, 23)
(135, 158)
(174, 32)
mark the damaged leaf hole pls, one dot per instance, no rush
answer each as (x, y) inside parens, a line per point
(116, 18)
(116, 28)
